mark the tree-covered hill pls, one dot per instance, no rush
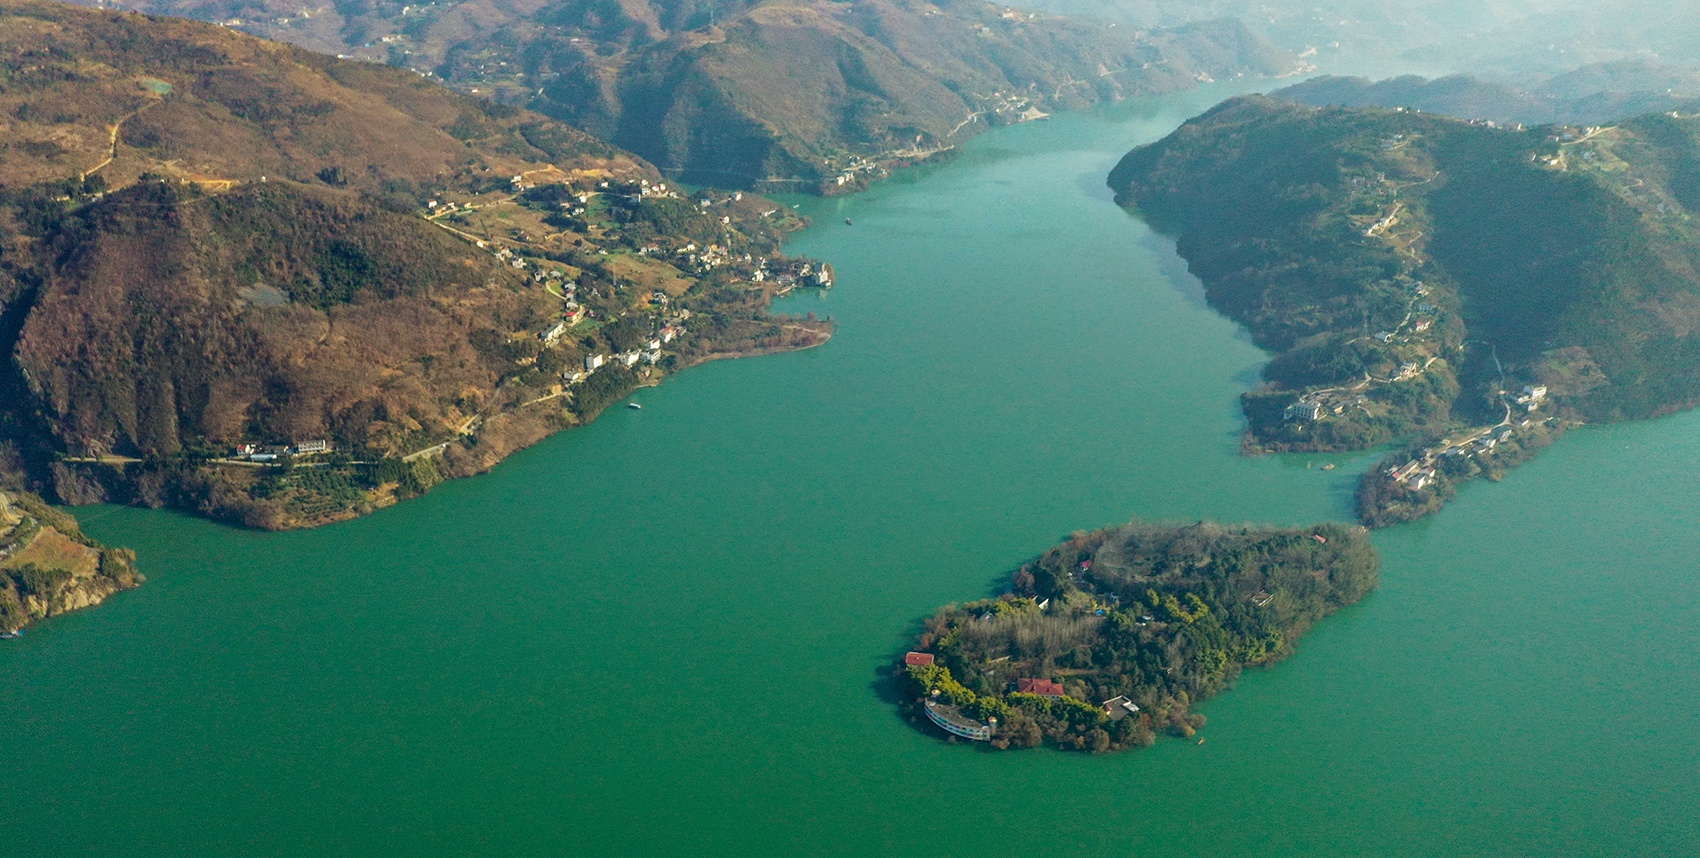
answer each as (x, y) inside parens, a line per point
(1466, 287)
(216, 248)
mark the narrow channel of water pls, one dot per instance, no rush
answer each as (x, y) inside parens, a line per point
(663, 632)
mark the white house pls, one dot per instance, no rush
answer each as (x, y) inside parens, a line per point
(1303, 410)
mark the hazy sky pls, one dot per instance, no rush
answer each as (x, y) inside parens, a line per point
(1500, 37)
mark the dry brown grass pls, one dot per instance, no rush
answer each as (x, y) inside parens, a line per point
(1032, 635)
(239, 108)
(54, 550)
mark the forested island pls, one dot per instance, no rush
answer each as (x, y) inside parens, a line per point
(1109, 638)
(1462, 288)
(215, 295)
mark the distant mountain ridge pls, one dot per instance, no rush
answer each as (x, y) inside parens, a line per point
(820, 95)
(1512, 39)
(814, 95)
(1586, 96)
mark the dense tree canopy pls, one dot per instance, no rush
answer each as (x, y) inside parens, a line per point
(1162, 615)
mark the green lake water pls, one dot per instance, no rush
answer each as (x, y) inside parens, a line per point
(665, 631)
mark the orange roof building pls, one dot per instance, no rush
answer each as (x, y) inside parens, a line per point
(1041, 687)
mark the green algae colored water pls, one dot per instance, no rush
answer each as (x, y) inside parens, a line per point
(665, 631)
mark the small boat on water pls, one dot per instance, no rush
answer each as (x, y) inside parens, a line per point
(634, 406)
(849, 222)
(6, 636)
(1328, 467)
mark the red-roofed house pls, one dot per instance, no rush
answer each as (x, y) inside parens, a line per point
(915, 658)
(1041, 687)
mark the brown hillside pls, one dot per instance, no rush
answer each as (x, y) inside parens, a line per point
(814, 95)
(175, 315)
(198, 102)
(213, 243)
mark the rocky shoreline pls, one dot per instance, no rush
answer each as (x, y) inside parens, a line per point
(49, 567)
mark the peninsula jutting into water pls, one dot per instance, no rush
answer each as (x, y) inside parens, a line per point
(48, 567)
(1466, 290)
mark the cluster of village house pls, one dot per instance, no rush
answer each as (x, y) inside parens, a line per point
(688, 257)
(1531, 397)
(1571, 135)
(784, 272)
(1568, 135)
(1418, 474)
(699, 260)
(857, 164)
(650, 353)
(1008, 107)
(1013, 107)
